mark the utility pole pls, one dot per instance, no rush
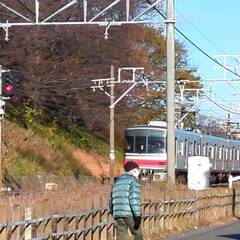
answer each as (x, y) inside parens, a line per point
(229, 125)
(181, 105)
(112, 108)
(107, 86)
(170, 91)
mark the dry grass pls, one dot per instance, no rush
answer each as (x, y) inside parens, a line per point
(61, 201)
(75, 199)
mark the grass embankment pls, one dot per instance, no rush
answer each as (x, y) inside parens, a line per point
(34, 147)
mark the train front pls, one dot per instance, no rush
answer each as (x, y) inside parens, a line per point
(146, 145)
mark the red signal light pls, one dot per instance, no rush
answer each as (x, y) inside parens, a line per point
(8, 84)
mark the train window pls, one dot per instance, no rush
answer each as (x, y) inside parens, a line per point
(190, 149)
(199, 149)
(156, 144)
(237, 157)
(196, 149)
(230, 154)
(180, 148)
(210, 152)
(219, 153)
(129, 144)
(186, 147)
(233, 154)
(203, 150)
(215, 151)
(225, 154)
(140, 144)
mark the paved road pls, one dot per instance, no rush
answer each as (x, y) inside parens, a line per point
(224, 232)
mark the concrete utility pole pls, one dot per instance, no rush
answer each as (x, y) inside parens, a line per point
(110, 83)
(170, 91)
(112, 147)
(229, 124)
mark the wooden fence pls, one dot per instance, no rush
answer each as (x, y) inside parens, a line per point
(174, 211)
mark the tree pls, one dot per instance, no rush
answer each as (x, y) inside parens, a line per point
(56, 65)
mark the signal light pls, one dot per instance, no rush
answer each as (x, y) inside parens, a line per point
(8, 84)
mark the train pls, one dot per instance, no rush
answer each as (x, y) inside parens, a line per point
(147, 146)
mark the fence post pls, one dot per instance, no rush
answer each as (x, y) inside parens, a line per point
(96, 218)
(88, 218)
(17, 214)
(235, 203)
(47, 224)
(163, 211)
(3, 219)
(103, 218)
(196, 209)
(28, 230)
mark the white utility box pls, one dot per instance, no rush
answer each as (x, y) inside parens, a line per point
(198, 172)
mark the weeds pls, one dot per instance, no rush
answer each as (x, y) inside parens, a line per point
(60, 137)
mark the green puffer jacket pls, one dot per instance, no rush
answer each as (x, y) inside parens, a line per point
(125, 198)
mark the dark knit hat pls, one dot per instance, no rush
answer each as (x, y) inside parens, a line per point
(130, 166)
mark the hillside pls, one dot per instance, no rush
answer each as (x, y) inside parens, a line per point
(28, 153)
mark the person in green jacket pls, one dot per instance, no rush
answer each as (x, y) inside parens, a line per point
(125, 203)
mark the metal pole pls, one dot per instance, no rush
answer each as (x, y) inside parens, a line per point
(170, 92)
(229, 124)
(37, 10)
(112, 150)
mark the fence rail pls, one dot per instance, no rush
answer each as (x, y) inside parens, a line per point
(97, 223)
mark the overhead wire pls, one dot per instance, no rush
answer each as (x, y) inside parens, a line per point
(207, 55)
(200, 32)
(23, 5)
(194, 44)
(85, 87)
(220, 106)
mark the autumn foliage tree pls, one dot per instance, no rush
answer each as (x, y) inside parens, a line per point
(57, 63)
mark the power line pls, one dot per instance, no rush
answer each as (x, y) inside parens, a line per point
(195, 45)
(194, 27)
(220, 106)
(23, 5)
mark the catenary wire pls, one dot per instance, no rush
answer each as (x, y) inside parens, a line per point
(195, 45)
(220, 106)
(203, 35)
(23, 5)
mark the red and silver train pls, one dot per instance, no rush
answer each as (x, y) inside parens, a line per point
(146, 145)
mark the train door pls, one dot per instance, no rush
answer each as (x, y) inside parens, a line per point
(236, 164)
(180, 152)
(237, 160)
(225, 158)
(219, 157)
(210, 153)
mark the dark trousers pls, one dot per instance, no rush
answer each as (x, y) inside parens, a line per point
(122, 226)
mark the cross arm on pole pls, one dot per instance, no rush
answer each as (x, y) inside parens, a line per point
(104, 10)
(146, 10)
(185, 115)
(71, 3)
(123, 95)
(60, 10)
(14, 11)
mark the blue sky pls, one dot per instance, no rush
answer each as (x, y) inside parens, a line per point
(218, 21)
